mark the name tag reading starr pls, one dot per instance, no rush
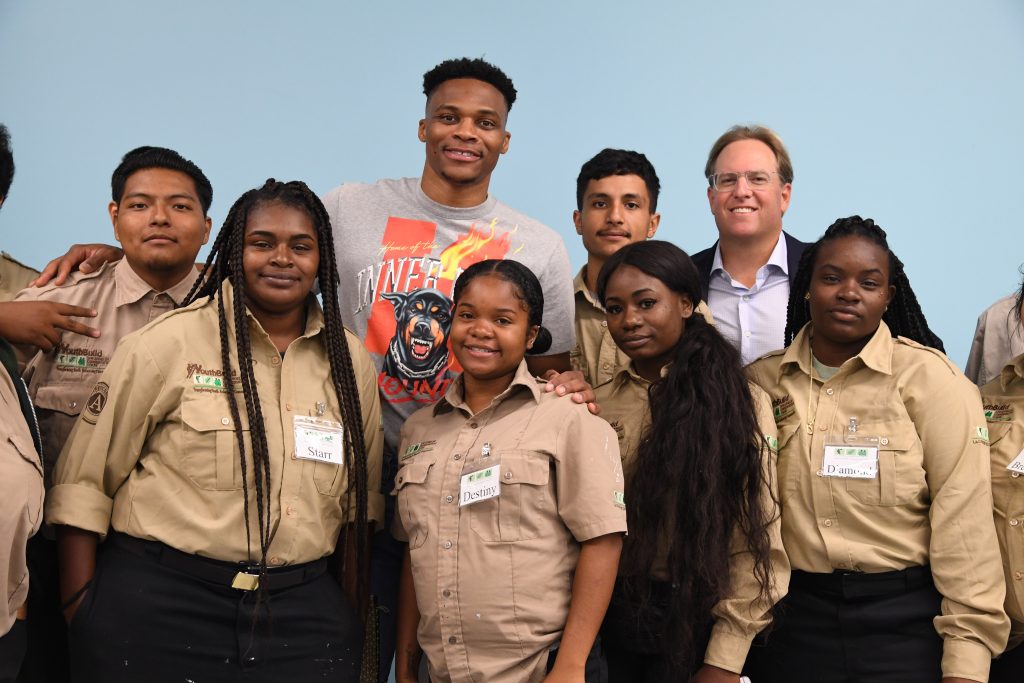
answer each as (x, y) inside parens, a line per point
(318, 439)
(852, 462)
(482, 484)
(1017, 464)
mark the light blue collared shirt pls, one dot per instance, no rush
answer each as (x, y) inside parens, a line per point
(752, 319)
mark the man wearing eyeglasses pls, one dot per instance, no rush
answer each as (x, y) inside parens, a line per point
(746, 274)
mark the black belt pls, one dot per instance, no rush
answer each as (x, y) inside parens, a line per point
(239, 575)
(862, 585)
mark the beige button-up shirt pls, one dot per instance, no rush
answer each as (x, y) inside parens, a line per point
(931, 501)
(21, 500)
(154, 454)
(595, 353)
(1003, 400)
(494, 579)
(738, 618)
(14, 276)
(59, 381)
(998, 339)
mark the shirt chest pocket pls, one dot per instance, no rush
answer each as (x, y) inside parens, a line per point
(414, 500)
(901, 476)
(526, 507)
(210, 455)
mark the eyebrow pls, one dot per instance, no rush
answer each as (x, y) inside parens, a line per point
(268, 233)
(862, 272)
(146, 195)
(478, 112)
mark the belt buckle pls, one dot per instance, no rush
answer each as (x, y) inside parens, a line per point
(244, 581)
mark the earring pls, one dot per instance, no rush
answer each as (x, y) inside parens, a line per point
(807, 296)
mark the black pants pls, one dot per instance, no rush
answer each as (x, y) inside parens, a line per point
(143, 620)
(12, 650)
(1009, 667)
(46, 658)
(633, 638)
(853, 628)
(595, 670)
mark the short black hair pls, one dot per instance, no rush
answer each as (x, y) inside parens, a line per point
(6, 162)
(609, 162)
(464, 67)
(527, 289)
(160, 157)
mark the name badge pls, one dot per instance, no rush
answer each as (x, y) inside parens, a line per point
(318, 439)
(482, 484)
(851, 461)
(1017, 464)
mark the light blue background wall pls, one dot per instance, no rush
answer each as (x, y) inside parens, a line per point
(907, 112)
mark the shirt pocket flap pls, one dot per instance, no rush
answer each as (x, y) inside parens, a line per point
(27, 451)
(524, 467)
(210, 416)
(413, 473)
(997, 430)
(67, 399)
(892, 436)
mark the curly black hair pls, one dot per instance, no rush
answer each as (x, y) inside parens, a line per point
(478, 69)
(6, 162)
(609, 162)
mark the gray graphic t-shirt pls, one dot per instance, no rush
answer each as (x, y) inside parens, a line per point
(399, 254)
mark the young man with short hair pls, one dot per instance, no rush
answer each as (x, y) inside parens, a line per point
(616, 204)
(159, 215)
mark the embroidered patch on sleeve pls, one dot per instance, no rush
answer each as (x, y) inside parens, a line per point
(97, 401)
(980, 435)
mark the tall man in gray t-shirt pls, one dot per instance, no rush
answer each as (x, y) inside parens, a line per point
(401, 244)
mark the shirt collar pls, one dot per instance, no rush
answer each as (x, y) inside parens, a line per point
(1012, 371)
(579, 285)
(778, 258)
(314, 314)
(130, 288)
(454, 396)
(876, 354)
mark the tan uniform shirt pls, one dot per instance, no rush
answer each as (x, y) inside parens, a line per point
(61, 380)
(21, 500)
(155, 456)
(998, 339)
(14, 276)
(1003, 400)
(494, 579)
(596, 354)
(931, 502)
(740, 617)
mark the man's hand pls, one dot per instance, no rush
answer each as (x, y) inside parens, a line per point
(40, 323)
(712, 674)
(86, 257)
(572, 382)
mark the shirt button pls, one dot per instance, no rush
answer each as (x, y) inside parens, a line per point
(74, 404)
(472, 425)
(225, 420)
(828, 522)
(746, 297)
(457, 456)
(290, 511)
(452, 640)
(508, 475)
(830, 391)
(275, 360)
(448, 498)
(746, 334)
(287, 406)
(1014, 522)
(1018, 575)
(1014, 474)
(275, 561)
(447, 545)
(604, 323)
(823, 427)
(884, 441)
(446, 593)
(606, 366)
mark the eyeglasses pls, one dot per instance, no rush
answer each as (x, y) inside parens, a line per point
(724, 182)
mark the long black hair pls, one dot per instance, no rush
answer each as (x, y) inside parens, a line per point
(526, 287)
(699, 474)
(225, 263)
(904, 315)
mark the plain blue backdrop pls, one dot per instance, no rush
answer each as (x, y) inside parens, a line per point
(906, 112)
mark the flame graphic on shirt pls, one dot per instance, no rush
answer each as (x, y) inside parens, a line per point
(476, 245)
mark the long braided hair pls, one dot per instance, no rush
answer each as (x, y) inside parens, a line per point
(904, 316)
(698, 475)
(225, 263)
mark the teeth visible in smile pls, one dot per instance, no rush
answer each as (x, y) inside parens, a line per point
(743, 209)
(464, 155)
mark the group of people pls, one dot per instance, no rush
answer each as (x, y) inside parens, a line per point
(389, 423)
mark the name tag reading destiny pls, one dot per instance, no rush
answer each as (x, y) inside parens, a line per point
(482, 484)
(320, 440)
(850, 461)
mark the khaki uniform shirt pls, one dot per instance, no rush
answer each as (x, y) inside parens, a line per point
(61, 380)
(931, 502)
(494, 579)
(21, 500)
(1003, 400)
(14, 276)
(595, 353)
(741, 616)
(155, 456)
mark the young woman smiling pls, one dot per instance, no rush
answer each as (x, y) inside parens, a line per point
(224, 449)
(510, 500)
(884, 482)
(703, 563)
